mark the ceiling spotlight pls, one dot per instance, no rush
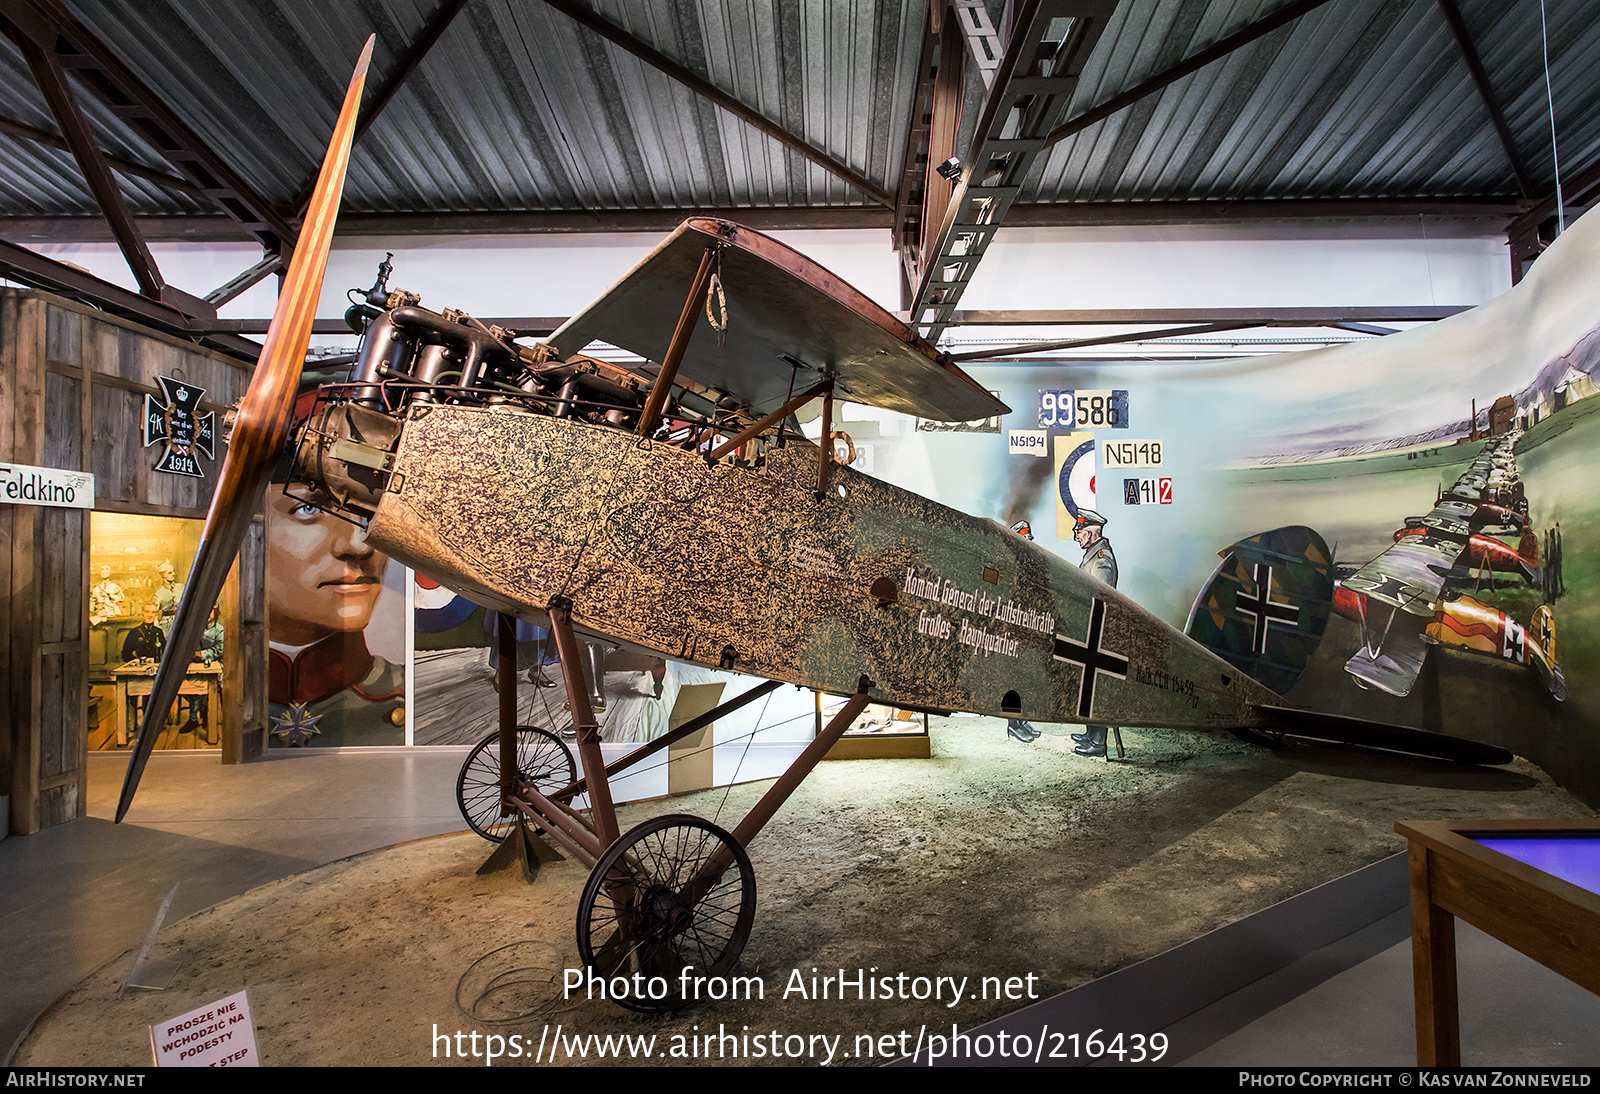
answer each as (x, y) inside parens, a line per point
(950, 169)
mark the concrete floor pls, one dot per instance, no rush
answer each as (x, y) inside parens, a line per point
(77, 896)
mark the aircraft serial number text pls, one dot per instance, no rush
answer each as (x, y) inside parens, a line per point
(1166, 681)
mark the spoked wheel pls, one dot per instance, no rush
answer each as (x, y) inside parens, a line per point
(543, 761)
(674, 893)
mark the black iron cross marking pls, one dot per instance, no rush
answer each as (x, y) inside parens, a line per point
(1093, 659)
(176, 422)
(1513, 650)
(1264, 610)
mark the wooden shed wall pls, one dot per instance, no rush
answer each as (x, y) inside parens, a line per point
(72, 387)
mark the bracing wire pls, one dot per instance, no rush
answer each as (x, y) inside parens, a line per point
(1550, 99)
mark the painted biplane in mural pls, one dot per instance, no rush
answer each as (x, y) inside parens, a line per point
(673, 510)
(1414, 594)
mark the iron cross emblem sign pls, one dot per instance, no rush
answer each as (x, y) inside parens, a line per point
(174, 417)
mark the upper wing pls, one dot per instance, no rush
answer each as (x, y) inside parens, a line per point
(788, 321)
(1408, 577)
(1410, 574)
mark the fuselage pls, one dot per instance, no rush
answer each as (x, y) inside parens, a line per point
(745, 567)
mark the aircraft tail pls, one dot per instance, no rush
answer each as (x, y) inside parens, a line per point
(1266, 606)
(1542, 651)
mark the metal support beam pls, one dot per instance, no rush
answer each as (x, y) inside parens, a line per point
(672, 737)
(825, 447)
(1104, 340)
(914, 166)
(1215, 52)
(231, 288)
(32, 36)
(1253, 317)
(1034, 82)
(1480, 79)
(31, 268)
(11, 127)
(506, 684)
(700, 86)
(601, 808)
(747, 829)
(97, 66)
(800, 400)
(983, 41)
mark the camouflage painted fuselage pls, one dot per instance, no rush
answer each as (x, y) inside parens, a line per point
(746, 568)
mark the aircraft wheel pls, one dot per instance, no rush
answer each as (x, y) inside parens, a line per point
(674, 893)
(543, 760)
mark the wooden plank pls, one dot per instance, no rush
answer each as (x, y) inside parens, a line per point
(54, 752)
(111, 456)
(75, 578)
(59, 804)
(52, 575)
(112, 505)
(231, 715)
(102, 380)
(27, 338)
(63, 442)
(10, 310)
(63, 336)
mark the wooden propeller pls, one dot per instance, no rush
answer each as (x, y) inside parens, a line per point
(261, 429)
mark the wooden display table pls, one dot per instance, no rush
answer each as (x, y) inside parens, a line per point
(133, 683)
(1549, 911)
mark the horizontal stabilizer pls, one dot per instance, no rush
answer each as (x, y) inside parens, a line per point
(1390, 738)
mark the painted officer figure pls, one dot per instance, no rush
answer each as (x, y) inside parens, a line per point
(1099, 561)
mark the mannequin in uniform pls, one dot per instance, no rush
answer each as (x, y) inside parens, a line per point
(1098, 561)
(168, 595)
(146, 641)
(106, 599)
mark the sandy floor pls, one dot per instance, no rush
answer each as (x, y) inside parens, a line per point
(993, 859)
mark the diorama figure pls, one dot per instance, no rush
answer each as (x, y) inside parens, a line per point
(106, 599)
(1099, 561)
(147, 640)
(323, 582)
(168, 595)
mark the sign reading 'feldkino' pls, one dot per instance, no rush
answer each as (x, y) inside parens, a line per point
(21, 485)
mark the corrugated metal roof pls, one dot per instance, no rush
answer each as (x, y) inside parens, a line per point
(1358, 98)
(519, 108)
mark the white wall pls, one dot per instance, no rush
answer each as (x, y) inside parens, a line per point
(1236, 266)
(1209, 266)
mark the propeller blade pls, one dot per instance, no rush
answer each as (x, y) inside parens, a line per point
(261, 429)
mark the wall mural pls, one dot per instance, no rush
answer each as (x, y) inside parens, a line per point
(1440, 478)
(336, 617)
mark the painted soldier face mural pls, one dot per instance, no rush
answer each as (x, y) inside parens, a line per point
(325, 685)
(322, 577)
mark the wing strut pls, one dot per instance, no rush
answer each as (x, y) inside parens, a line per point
(651, 417)
(772, 419)
(263, 426)
(825, 453)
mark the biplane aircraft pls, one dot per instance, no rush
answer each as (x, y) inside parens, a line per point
(1411, 596)
(673, 510)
